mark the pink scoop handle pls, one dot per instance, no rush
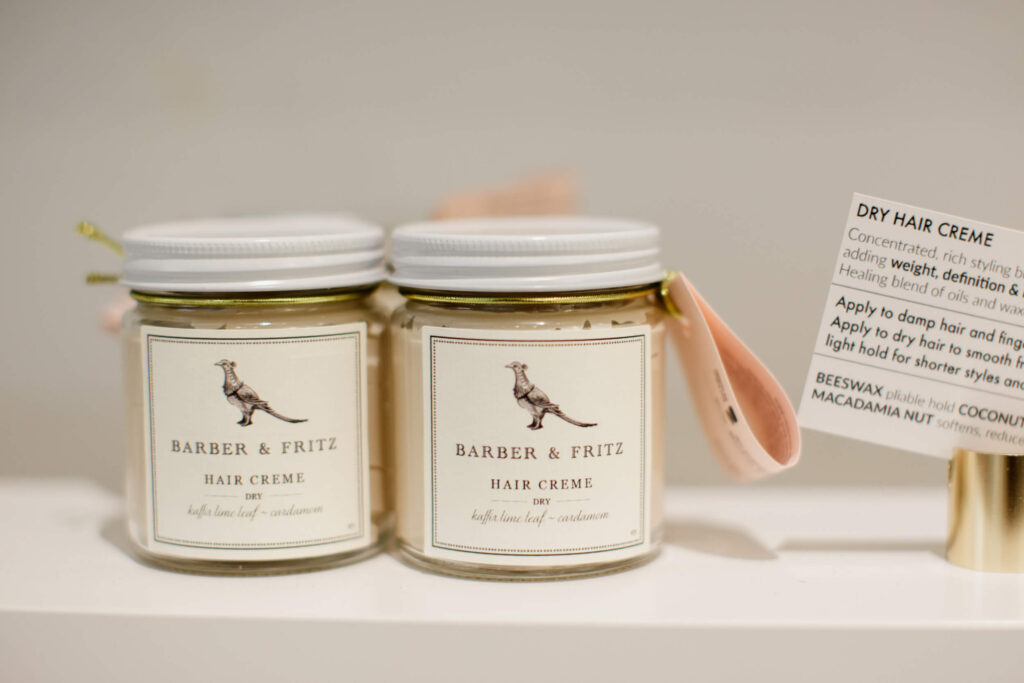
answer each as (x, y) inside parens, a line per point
(747, 417)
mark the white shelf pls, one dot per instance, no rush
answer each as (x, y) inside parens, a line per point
(752, 582)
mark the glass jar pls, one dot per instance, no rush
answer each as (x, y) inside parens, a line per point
(528, 396)
(252, 385)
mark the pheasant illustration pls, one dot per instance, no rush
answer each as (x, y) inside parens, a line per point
(535, 401)
(244, 397)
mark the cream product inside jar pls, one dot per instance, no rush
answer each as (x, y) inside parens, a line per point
(252, 381)
(528, 396)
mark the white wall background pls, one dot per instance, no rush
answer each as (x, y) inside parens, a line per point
(741, 127)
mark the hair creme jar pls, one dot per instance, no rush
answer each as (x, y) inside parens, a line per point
(528, 394)
(252, 384)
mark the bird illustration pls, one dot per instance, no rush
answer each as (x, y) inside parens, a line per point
(535, 401)
(244, 397)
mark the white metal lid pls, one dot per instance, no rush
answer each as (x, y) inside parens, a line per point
(525, 254)
(254, 254)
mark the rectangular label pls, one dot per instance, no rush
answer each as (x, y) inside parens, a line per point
(256, 441)
(539, 445)
(922, 343)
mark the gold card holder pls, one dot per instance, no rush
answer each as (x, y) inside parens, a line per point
(986, 511)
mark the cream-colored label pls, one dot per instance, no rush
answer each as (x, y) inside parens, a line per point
(538, 445)
(256, 441)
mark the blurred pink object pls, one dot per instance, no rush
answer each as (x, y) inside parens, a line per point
(110, 316)
(544, 194)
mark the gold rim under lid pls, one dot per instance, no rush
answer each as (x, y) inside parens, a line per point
(986, 511)
(296, 298)
(660, 289)
(528, 299)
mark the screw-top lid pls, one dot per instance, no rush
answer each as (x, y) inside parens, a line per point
(527, 254)
(254, 254)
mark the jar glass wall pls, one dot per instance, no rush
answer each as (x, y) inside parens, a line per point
(498, 486)
(286, 471)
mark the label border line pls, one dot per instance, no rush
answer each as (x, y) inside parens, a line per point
(355, 335)
(629, 338)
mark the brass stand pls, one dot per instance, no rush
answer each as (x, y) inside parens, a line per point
(986, 511)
